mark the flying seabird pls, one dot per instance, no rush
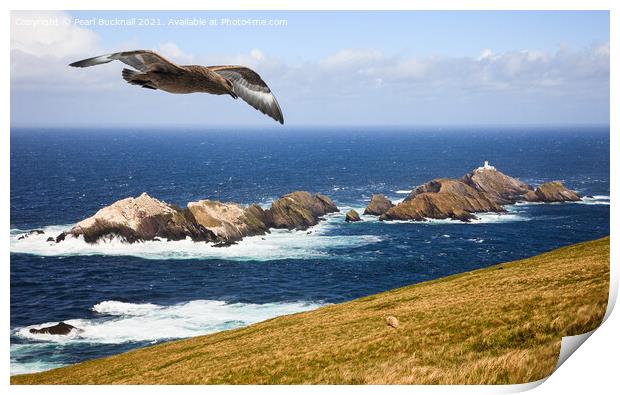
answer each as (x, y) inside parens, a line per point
(153, 71)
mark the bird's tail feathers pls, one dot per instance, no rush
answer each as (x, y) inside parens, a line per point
(137, 78)
(128, 74)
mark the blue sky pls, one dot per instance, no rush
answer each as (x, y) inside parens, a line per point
(310, 35)
(326, 68)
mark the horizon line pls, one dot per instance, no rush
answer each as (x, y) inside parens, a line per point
(303, 126)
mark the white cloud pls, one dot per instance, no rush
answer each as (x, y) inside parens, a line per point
(43, 44)
(486, 54)
(49, 34)
(347, 58)
(515, 70)
(257, 54)
(174, 53)
(40, 54)
(602, 50)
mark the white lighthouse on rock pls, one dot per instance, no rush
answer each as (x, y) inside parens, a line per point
(486, 166)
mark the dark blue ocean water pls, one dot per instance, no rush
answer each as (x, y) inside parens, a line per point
(130, 296)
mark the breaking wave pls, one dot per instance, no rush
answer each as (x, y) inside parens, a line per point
(589, 200)
(121, 322)
(279, 244)
(596, 199)
(511, 215)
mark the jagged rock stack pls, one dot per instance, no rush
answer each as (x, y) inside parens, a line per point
(299, 210)
(442, 198)
(146, 218)
(378, 205)
(485, 189)
(553, 191)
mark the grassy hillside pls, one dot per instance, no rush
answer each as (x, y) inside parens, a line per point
(502, 324)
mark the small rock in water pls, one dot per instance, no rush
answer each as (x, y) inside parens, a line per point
(51, 239)
(392, 321)
(32, 232)
(352, 216)
(59, 329)
(224, 244)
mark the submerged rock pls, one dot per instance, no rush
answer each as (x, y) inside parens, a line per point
(352, 216)
(32, 232)
(59, 329)
(378, 205)
(224, 244)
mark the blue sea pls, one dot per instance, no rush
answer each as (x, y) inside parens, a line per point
(128, 296)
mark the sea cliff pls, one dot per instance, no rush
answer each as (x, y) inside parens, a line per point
(498, 325)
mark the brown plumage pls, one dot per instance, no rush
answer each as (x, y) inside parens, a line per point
(153, 71)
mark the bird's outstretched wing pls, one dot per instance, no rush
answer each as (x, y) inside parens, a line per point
(142, 60)
(250, 87)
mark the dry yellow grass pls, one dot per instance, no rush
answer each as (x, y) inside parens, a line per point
(497, 325)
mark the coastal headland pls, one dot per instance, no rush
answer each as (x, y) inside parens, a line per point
(498, 325)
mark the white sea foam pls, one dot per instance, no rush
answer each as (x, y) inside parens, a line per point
(511, 215)
(481, 218)
(589, 200)
(360, 211)
(403, 191)
(279, 244)
(113, 307)
(596, 199)
(146, 322)
(128, 322)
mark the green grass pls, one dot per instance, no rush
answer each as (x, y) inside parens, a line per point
(497, 325)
